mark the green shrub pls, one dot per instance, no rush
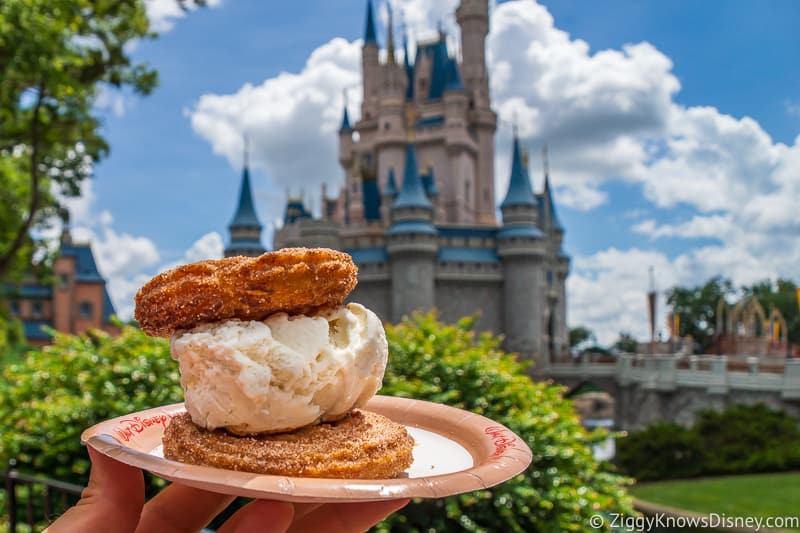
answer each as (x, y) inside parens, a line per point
(57, 392)
(660, 451)
(749, 439)
(563, 487)
(742, 439)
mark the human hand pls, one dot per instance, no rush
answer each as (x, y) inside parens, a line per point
(114, 501)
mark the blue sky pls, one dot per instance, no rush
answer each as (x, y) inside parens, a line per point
(643, 104)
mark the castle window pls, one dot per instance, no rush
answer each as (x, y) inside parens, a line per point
(36, 309)
(15, 307)
(85, 310)
(549, 277)
(63, 280)
(387, 126)
(466, 191)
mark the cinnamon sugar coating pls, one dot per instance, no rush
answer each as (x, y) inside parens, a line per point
(363, 445)
(292, 280)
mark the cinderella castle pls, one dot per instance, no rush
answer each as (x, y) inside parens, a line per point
(417, 208)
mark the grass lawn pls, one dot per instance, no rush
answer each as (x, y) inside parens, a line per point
(749, 495)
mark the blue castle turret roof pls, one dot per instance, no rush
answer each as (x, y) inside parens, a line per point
(345, 121)
(245, 212)
(391, 184)
(369, 30)
(519, 186)
(413, 192)
(549, 207)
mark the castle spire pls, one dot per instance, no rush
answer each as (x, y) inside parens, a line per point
(345, 117)
(519, 186)
(245, 228)
(369, 31)
(390, 59)
(550, 216)
(413, 192)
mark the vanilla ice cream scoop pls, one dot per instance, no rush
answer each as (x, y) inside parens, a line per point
(283, 373)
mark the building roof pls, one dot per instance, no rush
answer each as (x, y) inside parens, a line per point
(412, 226)
(295, 209)
(413, 192)
(453, 79)
(462, 254)
(33, 329)
(526, 231)
(550, 215)
(28, 291)
(108, 307)
(391, 184)
(345, 121)
(520, 191)
(85, 266)
(372, 199)
(363, 256)
(444, 73)
(409, 69)
(245, 215)
(369, 29)
(427, 122)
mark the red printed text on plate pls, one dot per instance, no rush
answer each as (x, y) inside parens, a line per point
(130, 427)
(502, 438)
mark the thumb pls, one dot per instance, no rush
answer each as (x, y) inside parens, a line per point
(114, 497)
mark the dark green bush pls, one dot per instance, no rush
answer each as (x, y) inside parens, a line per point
(661, 450)
(749, 438)
(564, 486)
(742, 439)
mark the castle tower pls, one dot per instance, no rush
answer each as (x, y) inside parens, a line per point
(245, 228)
(556, 330)
(412, 244)
(370, 68)
(473, 18)
(521, 248)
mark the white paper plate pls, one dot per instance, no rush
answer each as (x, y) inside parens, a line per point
(456, 451)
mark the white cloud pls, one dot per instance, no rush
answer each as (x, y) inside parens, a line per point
(291, 120)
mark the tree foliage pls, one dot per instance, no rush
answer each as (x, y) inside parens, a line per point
(697, 309)
(578, 335)
(55, 56)
(626, 343)
(451, 364)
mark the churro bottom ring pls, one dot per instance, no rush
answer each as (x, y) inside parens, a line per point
(363, 445)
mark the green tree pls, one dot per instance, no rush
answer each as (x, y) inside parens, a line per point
(579, 335)
(626, 343)
(697, 309)
(55, 55)
(452, 364)
(781, 295)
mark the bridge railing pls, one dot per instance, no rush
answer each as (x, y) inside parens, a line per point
(39, 499)
(716, 373)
